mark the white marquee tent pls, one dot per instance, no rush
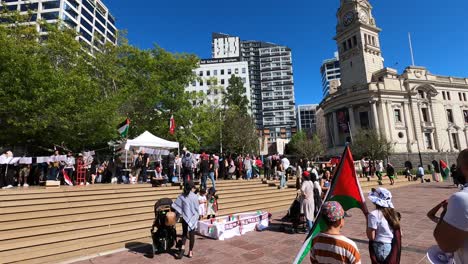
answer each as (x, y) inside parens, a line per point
(150, 141)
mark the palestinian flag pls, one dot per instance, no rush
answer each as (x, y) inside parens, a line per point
(123, 128)
(346, 190)
(444, 169)
(66, 178)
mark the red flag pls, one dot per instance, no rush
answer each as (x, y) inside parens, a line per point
(172, 125)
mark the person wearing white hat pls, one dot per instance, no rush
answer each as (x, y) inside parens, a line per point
(381, 223)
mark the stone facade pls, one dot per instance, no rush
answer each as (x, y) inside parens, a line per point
(416, 111)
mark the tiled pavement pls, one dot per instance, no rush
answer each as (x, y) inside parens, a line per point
(273, 246)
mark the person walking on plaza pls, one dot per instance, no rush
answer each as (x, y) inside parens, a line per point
(451, 233)
(308, 201)
(391, 173)
(212, 171)
(178, 167)
(187, 164)
(187, 206)
(248, 168)
(204, 169)
(420, 173)
(330, 246)
(281, 174)
(267, 167)
(383, 224)
(379, 171)
(216, 166)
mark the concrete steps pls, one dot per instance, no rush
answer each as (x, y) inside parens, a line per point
(40, 225)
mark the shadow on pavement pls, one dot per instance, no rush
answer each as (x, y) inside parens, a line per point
(141, 248)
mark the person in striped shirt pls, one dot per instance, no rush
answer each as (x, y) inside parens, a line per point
(330, 247)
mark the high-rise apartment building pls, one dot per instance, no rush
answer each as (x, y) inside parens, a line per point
(306, 118)
(90, 18)
(330, 70)
(264, 109)
(278, 104)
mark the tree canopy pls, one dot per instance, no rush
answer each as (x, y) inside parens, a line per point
(371, 144)
(305, 147)
(54, 92)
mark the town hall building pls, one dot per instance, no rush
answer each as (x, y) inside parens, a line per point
(416, 110)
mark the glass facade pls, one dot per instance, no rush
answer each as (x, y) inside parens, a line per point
(83, 15)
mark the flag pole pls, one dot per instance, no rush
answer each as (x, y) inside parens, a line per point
(411, 49)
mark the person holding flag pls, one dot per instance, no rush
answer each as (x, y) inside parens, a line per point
(345, 193)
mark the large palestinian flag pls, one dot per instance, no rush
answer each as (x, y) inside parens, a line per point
(346, 190)
(444, 169)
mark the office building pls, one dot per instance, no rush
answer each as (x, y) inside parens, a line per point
(252, 52)
(90, 18)
(213, 79)
(330, 70)
(416, 111)
(306, 118)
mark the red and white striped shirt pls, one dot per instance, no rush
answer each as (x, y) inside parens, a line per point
(334, 249)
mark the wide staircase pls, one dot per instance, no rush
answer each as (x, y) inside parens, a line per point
(40, 225)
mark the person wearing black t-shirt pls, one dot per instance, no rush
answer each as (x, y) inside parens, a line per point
(144, 165)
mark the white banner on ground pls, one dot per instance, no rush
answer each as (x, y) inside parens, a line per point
(226, 227)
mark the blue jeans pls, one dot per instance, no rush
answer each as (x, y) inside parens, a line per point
(248, 174)
(203, 181)
(212, 178)
(282, 180)
(310, 224)
(381, 250)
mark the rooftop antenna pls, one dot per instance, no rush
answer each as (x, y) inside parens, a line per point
(411, 49)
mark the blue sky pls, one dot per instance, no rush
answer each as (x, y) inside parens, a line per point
(439, 30)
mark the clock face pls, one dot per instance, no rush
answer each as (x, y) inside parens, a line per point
(348, 18)
(363, 17)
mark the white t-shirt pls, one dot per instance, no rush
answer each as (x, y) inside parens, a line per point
(377, 221)
(456, 216)
(285, 163)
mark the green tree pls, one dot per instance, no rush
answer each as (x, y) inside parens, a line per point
(371, 144)
(305, 147)
(239, 132)
(235, 95)
(54, 92)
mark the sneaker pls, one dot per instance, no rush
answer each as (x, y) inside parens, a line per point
(8, 187)
(25, 185)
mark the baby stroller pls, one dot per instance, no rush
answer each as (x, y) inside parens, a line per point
(295, 217)
(163, 231)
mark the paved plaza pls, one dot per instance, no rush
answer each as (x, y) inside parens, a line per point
(274, 246)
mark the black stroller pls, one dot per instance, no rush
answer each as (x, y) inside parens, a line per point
(295, 217)
(163, 231)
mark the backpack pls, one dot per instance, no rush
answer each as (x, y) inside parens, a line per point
(187, 161)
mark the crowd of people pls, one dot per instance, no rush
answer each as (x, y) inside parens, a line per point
(384, 228)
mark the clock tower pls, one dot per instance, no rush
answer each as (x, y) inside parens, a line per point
(357, 38)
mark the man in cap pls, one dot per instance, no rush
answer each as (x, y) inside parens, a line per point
(330, 246)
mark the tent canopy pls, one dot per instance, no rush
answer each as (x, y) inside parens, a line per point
(151, 141)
